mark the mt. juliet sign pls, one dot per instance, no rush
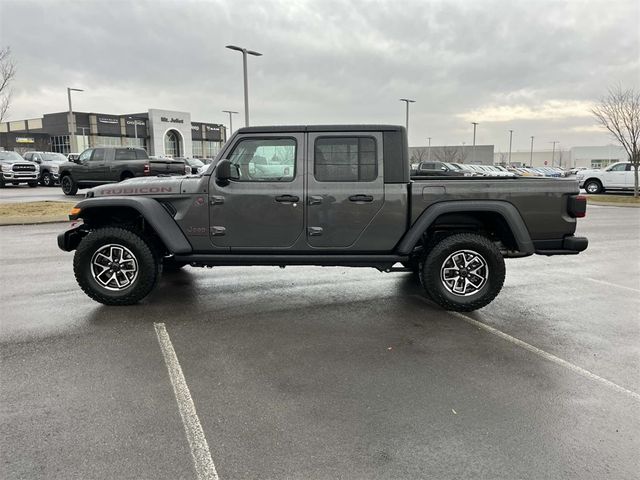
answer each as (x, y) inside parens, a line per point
(171, 120)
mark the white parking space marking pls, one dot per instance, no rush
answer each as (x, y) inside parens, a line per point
(205, 469)
(613, 284)
(548, 356)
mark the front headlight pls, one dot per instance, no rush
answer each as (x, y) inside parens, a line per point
(6, 168)
(37, 168)
(55, 169)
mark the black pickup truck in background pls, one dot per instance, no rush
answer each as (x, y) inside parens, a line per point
(331, 195)
(99, 166)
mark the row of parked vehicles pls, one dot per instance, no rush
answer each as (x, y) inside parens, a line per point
(103, 165)
(438, 168)
(92, 167)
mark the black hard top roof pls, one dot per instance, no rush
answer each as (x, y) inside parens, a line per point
(319, 128)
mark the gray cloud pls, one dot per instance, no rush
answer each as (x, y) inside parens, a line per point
(532, 66)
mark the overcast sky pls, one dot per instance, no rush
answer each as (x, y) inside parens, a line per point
(531, 66)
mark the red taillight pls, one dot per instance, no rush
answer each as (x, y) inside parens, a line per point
(146, 169)
(577, 206)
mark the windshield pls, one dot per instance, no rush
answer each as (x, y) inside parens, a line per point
(54, 157)
(10, 156)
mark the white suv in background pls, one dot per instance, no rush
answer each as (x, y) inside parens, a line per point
(618, 176)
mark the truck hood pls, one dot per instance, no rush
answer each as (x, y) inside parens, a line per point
(139, 186)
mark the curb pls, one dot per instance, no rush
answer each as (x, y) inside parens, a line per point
(613, 204)
(26, 221)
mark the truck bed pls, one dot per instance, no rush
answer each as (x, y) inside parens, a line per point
(542, 202)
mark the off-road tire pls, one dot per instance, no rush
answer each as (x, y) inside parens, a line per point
(432, 271)
(147, 264)
(597, 186)
(68, 185)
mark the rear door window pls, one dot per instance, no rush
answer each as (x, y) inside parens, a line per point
(345, 159)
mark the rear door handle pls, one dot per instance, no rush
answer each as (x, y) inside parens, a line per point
(361, 198)
(287, 198)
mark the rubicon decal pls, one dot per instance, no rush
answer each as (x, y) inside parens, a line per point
(135, 190)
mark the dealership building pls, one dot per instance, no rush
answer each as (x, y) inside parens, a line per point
(160, 132)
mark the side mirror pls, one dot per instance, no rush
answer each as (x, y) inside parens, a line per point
(225, 172)
(443, 168)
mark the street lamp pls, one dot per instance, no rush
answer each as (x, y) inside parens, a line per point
(475, 124)
(510, 138)
(407, 101)
(230, 112)
(135, 128)
(84, 137)
(553, 152)
(246, 84)
(72, 127)
(429, 151)
(531, 154)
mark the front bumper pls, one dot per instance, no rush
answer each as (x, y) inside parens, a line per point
(19, 176)
(69, 240)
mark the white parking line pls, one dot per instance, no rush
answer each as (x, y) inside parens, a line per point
(205, 469)
(613, 284)
(548, 356)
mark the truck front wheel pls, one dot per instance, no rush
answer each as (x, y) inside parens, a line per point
(463, 272)
(69, 187)
(115, 266)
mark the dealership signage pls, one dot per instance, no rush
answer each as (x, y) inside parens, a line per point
(25, 140)
(171, 120)
(109, 120)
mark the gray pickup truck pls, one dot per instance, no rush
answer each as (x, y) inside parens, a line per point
(320, 195)
(104, 165)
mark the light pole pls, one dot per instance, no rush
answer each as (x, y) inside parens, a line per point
(84, 138)
(407, 101)
(475, 124)
(72, 127)
(246, 82)
(553, 152)
(429, 151)
(531, 154)
(135, 128)
(230, 112)
(510, 138)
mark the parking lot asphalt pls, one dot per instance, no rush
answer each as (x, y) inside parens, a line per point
(316, 373)
(23, 193)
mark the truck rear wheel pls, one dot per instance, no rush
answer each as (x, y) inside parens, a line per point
(115, 266)
(463, 272)
(69, 187)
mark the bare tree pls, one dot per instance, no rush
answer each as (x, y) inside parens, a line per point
(619, 112)
(418, 155)
(449, 155)
(7, 73)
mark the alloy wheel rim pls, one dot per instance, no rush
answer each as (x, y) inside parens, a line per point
(592, 188)
(114, 267)
(66, 184)
(464, 273)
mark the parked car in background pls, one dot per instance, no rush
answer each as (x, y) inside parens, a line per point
(618, 176)
(16, 170)
(192, 165)
(49, 165)
(438, 169)
(99, 166)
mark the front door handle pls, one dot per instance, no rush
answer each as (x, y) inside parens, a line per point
(287, 198)
(315, 200)
(361, 198)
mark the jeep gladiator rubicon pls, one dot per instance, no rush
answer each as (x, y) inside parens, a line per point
(320, 195)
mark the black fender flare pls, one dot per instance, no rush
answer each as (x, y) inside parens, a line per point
(153, 213)
(505, 209)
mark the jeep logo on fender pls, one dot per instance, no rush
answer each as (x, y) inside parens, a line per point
(135, 191)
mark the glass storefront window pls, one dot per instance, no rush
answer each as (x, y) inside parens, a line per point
(107, 142)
